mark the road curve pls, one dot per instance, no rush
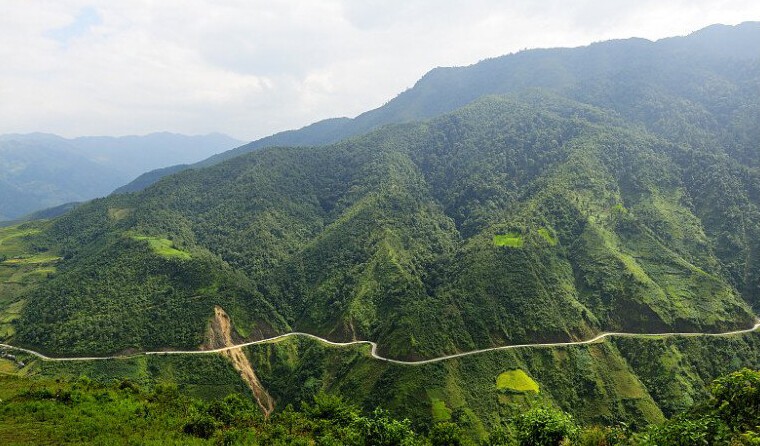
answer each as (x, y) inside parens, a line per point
(374, 353)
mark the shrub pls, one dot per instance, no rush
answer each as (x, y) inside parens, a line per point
(601, 436)
(736, 399)
(330, 407)
(689, 431)
(380, 429)
(545, 427)
(447, 434)
(201, 425)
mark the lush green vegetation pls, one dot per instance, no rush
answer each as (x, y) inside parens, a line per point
(383, 237)
(547, 235)
(84, 412)
(631, 381)
(604, 384)
(731, 416)
(621, 196)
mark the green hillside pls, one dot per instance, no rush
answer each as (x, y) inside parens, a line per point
(622, 196)
(83, 412)
(699, 87)
(391, 237)
(631, 382)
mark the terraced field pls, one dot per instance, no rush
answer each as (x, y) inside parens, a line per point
(23, 265)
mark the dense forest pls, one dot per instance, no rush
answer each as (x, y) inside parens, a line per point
(512, 220)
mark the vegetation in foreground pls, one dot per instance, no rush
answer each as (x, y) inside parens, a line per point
(83, 411)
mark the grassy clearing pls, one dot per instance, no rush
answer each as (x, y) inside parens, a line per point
(36, 259)
(12, 240)
(511, 239)
(7, 315)
(439, 410)
(118, 213)
(547, 235)
(37, 273)
(8, 367)
(11, 312)
(22, 274)
(627, 385)
(11, 232)
(16, 249)
(516, 381)
(163, 247)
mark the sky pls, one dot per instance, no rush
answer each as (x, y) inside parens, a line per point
(251, 68)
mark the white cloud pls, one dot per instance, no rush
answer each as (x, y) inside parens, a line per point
(253, 67)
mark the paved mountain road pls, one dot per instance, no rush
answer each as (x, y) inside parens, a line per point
(374, 346)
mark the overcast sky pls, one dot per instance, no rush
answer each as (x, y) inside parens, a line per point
(250, 68)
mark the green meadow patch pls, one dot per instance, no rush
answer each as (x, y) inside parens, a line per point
(547, 235)
(11, 312)
(439, 410)
(37, 259)
(7, 315)
(510, 239)
(12, 240)
(163, 247)
(516, 381)
(118, 213)
(23, 266)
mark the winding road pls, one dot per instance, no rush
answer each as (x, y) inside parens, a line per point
(374, 353)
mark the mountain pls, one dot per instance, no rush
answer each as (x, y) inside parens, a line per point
(322, 132)
(512, 220)
(39, 170)
(618, 74)
(138, 154)
(613, 187)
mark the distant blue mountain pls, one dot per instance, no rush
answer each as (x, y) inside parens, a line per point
(40, 170)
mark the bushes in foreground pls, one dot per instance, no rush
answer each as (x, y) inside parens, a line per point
(85, 412)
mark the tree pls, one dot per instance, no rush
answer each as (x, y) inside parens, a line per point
(736, 399)
(447, 434)
(545, 427)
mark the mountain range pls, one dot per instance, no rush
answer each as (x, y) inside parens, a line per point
(543, 196)
(40, 170)
(618, 74)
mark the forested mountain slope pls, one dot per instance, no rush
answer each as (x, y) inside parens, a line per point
(529, 218)
(608, 188)
(700, 87)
